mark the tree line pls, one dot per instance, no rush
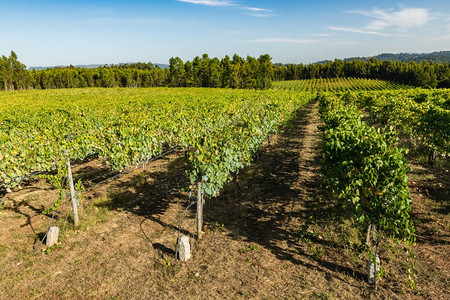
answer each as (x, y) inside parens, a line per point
(424, 74)
(234, 72)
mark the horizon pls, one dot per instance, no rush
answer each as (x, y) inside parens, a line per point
(62, 33)
(167, 63)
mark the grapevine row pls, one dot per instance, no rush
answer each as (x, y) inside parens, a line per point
(423, 115)
(365, 170)
(39, 130)
(338, 84)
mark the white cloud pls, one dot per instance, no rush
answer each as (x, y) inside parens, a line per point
(401, 19)
(322, 34)
(370, 32)
(398, 20)
(210, 2)
(260, 15)
(357, 30)
(285, 41)
(254, 11)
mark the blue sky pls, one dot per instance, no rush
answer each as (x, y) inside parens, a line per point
(45, 33)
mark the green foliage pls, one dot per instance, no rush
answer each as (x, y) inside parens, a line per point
(249, 73)
(411, 268)
(424, 74)
(365, 170)
(52, 248)
(317, 252)
(237, 72)
(59, 181)
(249, 249)
(338, 85)
(424, 115)
(421, 114)
(223, 129)
(305, 234)
(13, 75)
(226, 142)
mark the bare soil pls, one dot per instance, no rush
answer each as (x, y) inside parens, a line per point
(269, 235)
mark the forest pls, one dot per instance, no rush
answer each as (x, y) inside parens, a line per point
(425, 74)
(234, 72)
(437, 56)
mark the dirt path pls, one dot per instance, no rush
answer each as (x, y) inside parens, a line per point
(264, 216)
(430, 188)
(267, 236)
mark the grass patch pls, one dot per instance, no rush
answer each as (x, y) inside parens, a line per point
(249, 249)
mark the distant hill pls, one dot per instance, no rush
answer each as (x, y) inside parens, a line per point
(438, 57)
(441, 56)
(62, 66)
(92, 66)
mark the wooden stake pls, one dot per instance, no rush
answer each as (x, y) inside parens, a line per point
(369, 231)
(72, 195)
(199, 210)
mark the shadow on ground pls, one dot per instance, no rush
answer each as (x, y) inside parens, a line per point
(276, 194)
(149, 195)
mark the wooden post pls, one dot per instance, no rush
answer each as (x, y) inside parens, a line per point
(369, 232)
(199, 210)
(72, 195)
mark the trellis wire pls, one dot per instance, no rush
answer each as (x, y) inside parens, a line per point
(179, 228)
(40, 243)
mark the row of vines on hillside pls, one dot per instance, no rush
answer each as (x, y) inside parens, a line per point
(422, 115)
(366, 172)
(40, 130)
(338, 84)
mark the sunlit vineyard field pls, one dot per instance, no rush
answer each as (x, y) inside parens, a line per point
(338, 84)
(40, 130)
(294, 180)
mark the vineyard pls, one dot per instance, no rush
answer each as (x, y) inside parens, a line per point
(338, 85)
(421, 115)
(303, 186)
(126, 127)
(221, 132)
